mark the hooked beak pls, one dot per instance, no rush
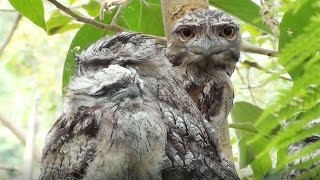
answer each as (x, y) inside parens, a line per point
(206, 46)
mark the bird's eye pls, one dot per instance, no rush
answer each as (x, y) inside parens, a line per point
(228, 32)
(186, 33)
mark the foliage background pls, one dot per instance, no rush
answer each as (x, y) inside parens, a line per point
(276, 98)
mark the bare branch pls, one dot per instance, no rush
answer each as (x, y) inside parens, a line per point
(257, 66)
(7, 10)
(18, 133)
(259, 50)
(83, 19)
(249, 87)
(13, 29)
(267, 12)
(118, 14)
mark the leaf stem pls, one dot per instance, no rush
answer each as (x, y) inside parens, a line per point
(13, 29)
(83, 19)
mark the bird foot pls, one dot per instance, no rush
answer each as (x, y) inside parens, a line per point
(107, 4)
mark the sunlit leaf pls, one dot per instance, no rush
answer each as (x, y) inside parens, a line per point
(143, 16)
(59, 23)
(92, 8)
(244, 116)
(295, 20)
(31, 9)
(72, 1)
(246, 127)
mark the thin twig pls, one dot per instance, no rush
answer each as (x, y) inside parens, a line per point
(7, 10)
(118, 14)
(258, 50)
(257, 66)
(13, 29)
(258, 85)
(19, 134)
(83, 19)
(240, 76)
(249, 87)
(267, 12)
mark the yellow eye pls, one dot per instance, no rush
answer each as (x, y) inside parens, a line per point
(186, 33)
(228, 32)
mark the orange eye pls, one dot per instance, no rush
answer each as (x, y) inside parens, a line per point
(228, 32)
(186, 33)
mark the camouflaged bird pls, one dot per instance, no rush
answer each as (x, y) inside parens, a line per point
(308, 166)
(127, 114)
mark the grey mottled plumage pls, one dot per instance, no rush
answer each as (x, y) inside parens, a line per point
(206, 61)
(128, 116)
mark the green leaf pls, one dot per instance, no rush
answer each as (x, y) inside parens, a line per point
(86, 35)
(246, 127)
(31, 9)
(243, 112)
(244, 116)
(67, 27)
(273, 176)
(58, 23)
(261, 166)
(295, 19)
(72, 1)
(92, 8)
(143, 16)
(245, 10)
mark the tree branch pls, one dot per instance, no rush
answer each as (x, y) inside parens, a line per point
(267, 12)
(13, 29)
(18, 133)
(118, 14)
(83, 19)
(257, 66)
(7, 10)
(259, 50)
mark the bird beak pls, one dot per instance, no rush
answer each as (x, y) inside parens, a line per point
(206, 46)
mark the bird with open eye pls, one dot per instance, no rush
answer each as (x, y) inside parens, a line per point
(141, 110)
(204, 47)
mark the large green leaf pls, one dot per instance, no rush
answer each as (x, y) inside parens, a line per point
(92, 8)
(31, 9)
(244, 116)
(143, 16)
(86, 35)
(59, 23)
(245, 10)
(246, 127)
(296, 19)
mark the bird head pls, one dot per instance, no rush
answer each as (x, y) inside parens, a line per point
(206, 39)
